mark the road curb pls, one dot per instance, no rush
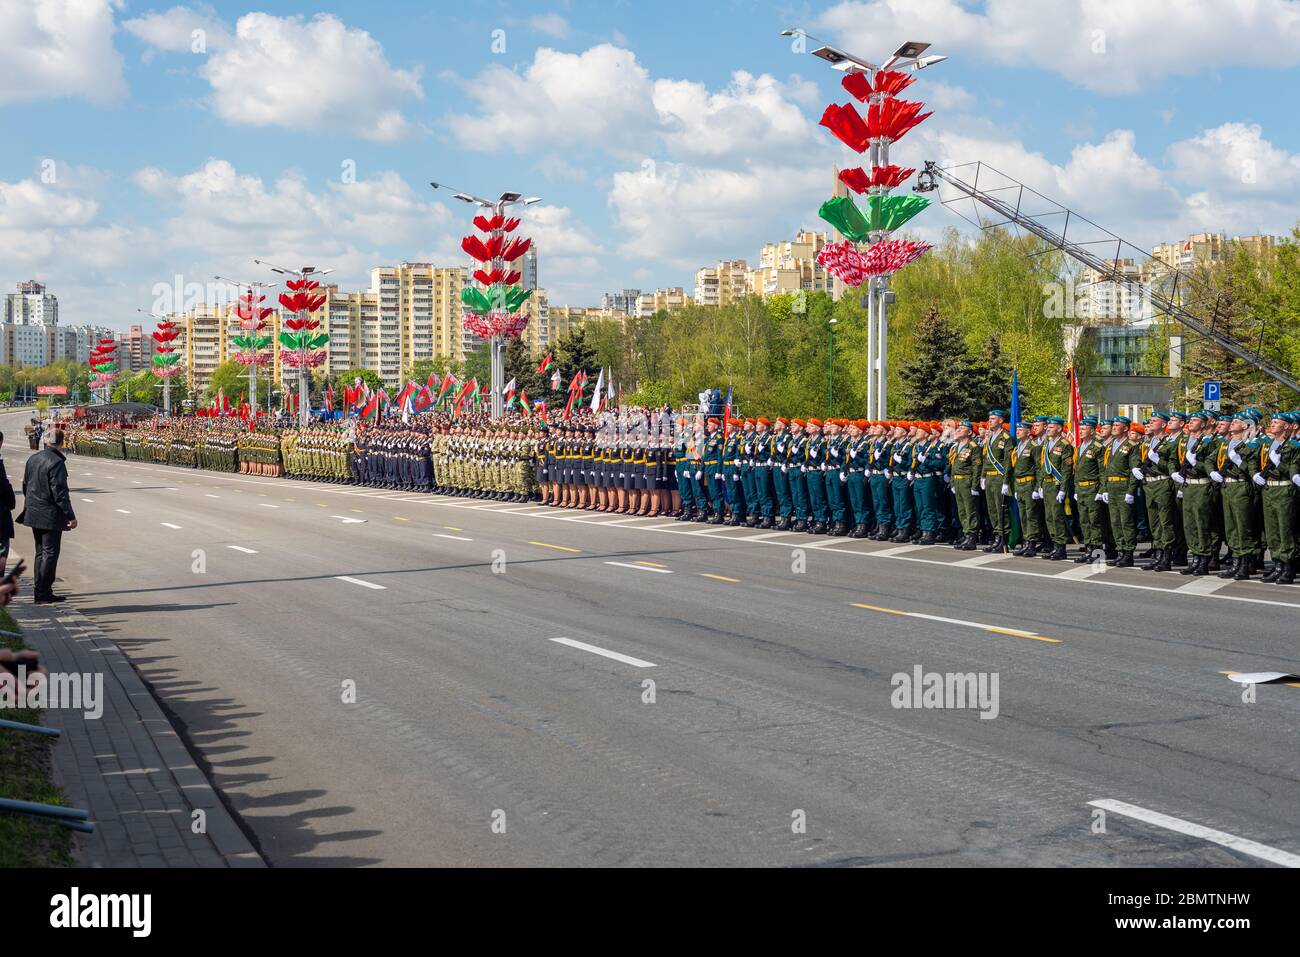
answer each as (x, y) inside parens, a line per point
(129, 768)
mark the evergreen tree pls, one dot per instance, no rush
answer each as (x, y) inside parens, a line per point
(990, 382)
(573, 354)
(936, 381)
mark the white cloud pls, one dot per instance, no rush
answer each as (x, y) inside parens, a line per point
(552, 24)
(282, 71)
(601, 97)
(1235, 158)
(180, 28)
(1107, 46)
(752, 115)
(55, 48)
(686, 216)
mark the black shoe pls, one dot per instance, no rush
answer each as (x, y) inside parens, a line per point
(1201, 566)
(1125, 559)
(49, 599)
(1086, 556)
(716, 519)
(766, 522)
(883, 533)
(1149, 553)
(799, 526)
(1192, 565)
(1058, 554)
(901, 536)
(927, 538)
(751, 521)
(1288, 574)
(1165, 563)
(1156, 555)
(1273, 573)
(1243, 569)
(841, 529)
(1030, 550)
(1230, 570)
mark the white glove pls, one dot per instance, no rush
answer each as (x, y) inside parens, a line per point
(1137, 474)
(1274, 457)
(1099, 497)
(1038, 493)
(835, 452)
(975, 491)
(888, 474)
(699, 475)
(1178, 477)
(1128, 499)
(782, 469)
(897, 457)
(717, 477)
(948, 478)
(843, 477)
(1180, 493)
(735, 476)
(1258, 479)
(1236, 459)
(1217, 477)
(1295, 479)
(1105, 497)
(803, 470)
(1191, 456)
(911, 476)
(1153, 455)
(1005, 490)
(1060, 497)
(981, 485)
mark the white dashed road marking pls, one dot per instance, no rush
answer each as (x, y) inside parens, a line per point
(583, 646)
(122, 510)
(1262, 851)
(641, 568)
(358, 581)
(240, 548)
(168, 525)
(459, 538)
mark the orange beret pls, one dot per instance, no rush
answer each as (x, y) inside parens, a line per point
(862, 424)
(799, 422)
(781, 418)
(762, 420)
(816, 422)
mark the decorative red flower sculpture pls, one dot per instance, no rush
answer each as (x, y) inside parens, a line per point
(496, 311)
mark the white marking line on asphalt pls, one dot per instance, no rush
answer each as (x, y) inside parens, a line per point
(241, 548)
(210, 495)
(349, 521)
(87, 499)
(267, 505)
(898, 550)
(979, 560)
(1262, 851)
(135, 482)
(997, 629)
(641, 568)
(459, 538)
(583, 646)
(358, 581)
(122, 510)
(1203, 586)
(168, 525)
(765, 536)
(1081, 572)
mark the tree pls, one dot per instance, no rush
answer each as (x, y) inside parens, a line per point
(438, 366)
(990, 383)
(139, 387)
(936, 381)
(521, 367)
(348, 377)
(572, 355)
(478, 364)
(231, 378)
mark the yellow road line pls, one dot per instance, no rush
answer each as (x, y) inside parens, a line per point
(453, 528)
(398, 518)
(563, 548)
(995, 629)
(887, 611)
(721, 578)
(652, 564)
(356, 510)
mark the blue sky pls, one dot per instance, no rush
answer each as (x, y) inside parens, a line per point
(661, 136)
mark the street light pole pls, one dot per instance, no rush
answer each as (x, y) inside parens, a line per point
(830, 386)
(304, 393)
(496, 343)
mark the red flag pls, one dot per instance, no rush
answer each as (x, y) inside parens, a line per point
(546, 364)
(1076, 408)
(407, 391)
(447, 383)
(423, 399)
(523, 399)
(371, 409)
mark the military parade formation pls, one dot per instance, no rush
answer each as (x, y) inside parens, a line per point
(1211, 493)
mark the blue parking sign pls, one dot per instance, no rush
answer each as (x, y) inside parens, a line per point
(1212, 390)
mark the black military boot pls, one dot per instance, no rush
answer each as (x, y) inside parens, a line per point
(902, 536)
(841, 529)
(971, 543)
(1273, 573)
(751, 521)
(859, 531)
(765, 522)
(1166, 561)
(1085, 556)
(1125, 559)
(1230, 570)
(883, 533)
(818, 529)
(1243, 569)
(1288, 573)
(1156, 556)
(927, 538)
(717, 518)
(799, 526)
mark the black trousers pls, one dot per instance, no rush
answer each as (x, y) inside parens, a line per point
(48, 542)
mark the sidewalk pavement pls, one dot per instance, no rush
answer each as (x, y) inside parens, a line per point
(129, 767)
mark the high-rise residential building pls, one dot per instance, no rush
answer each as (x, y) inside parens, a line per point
(527, 266)
(1200, 249)
(624, 301)
(136, 349)
(661, 300)
(791, 266)
(23, 345)
(31, 305)
(86, 338)
(1101, 298)
(723, 284)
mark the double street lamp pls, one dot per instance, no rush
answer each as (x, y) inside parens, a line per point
(497, 343)
(908, 56)
(302, 274)
(253, 294)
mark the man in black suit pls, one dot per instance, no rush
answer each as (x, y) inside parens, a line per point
(47, 510)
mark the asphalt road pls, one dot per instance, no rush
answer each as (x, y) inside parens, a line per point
(767, 734)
